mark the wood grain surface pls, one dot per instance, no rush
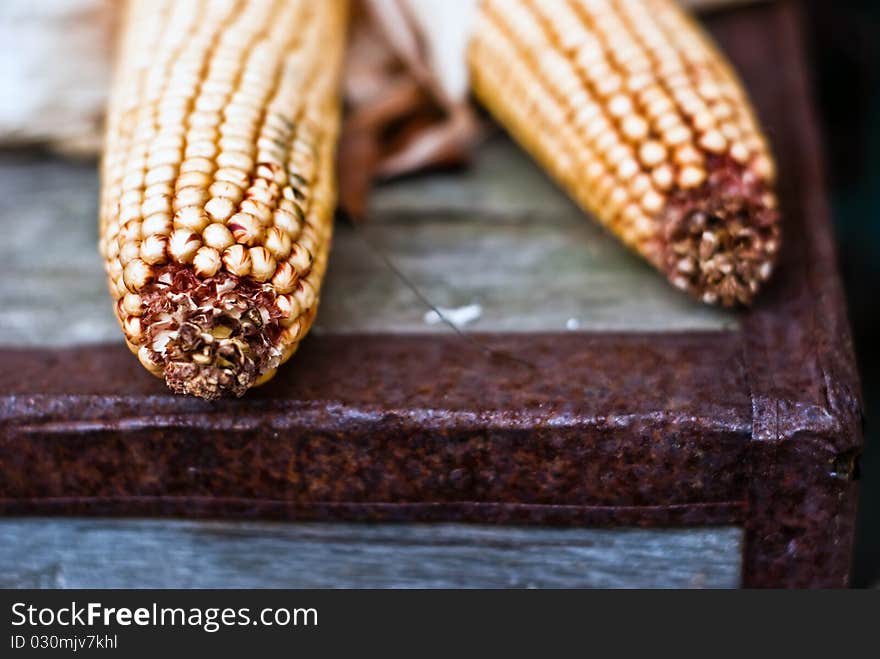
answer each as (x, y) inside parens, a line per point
(500, 236)
(103, 553)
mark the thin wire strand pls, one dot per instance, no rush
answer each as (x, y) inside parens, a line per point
(383, 256)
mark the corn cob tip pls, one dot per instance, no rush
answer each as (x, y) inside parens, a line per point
(217, 184)
(635, 112)
(721, 238)
(209, 337)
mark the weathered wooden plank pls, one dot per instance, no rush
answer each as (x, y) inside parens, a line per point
(522, 277)
(501, 237)
(101, 553)
(504, 237)
(53, 290)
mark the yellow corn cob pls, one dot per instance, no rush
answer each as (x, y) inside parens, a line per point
(632, 109)
(217, 183)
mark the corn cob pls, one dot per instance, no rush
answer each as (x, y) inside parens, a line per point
(631, 108)
(217, 184)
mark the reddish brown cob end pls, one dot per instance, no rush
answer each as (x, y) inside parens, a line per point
(210, 336)
(721, 239)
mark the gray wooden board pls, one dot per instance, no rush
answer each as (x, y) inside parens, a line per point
(499, 235)
(112, 553)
